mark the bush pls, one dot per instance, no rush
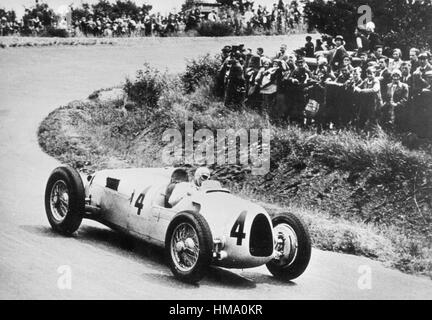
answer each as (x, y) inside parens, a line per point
(199, 69)
(146, 89)
(55, 32)
(215, 29)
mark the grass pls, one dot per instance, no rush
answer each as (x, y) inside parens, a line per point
(362, 194)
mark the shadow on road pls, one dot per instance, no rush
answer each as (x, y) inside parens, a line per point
(142, 252)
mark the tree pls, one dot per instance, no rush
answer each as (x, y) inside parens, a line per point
(187, 5)
(401, 23)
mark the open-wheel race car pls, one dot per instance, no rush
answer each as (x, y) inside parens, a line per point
(209, 227)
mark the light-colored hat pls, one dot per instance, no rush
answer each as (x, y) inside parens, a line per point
(339, 37)
(370, 26)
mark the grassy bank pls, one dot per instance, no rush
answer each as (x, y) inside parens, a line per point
(360, 194)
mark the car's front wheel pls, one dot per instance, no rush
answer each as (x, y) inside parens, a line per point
(188, 246)
(292, 246)
(65, 200)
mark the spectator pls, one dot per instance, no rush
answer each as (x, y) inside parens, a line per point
(282, 54)
(319, 45)
(383, 73)
(418, 77)
(338, 53)
(309, 47)
(298, 81)
(395, 63)
(266, 80)
(395, 97)
(370, 100)
(362, 42)
(413, 55)
(235, 85)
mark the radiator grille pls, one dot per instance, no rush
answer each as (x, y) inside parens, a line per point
(261, 240)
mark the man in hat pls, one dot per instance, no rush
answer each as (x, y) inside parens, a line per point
(337, 54)
(297, 81)
(395, 97)
(419, 81)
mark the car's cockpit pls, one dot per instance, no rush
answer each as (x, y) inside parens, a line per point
(178, 175)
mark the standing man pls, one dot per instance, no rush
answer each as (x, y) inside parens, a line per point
(370, 100)
(394, 114)
(309, 47)
(336, 59)
(297, 82)
(418, 78)
(413, 54)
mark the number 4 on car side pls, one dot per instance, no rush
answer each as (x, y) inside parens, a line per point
(211, 227)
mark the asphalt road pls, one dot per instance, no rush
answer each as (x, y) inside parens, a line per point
(102, 264)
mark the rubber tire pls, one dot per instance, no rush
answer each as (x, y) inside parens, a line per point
(206, 246)
(304, 250)
(74, 216)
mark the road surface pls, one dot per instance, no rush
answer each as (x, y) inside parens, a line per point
(101, 264)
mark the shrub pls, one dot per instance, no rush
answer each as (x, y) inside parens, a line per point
(215, 29)
(55, 32)
(147, 88)
(199, 69)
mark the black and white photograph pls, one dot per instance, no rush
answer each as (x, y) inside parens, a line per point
(222, 152)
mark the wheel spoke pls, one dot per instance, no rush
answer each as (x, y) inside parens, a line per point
(59, 200)
(187, 257)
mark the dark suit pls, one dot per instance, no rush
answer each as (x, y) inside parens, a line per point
(418, 80)
(336, 58)
(395, 115)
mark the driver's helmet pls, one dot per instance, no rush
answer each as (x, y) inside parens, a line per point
(201, 174)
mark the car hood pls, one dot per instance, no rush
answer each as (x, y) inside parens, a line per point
(221, 210)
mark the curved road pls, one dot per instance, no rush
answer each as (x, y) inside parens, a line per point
(103, 264)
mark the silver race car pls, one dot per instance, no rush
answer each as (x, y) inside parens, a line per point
(209, 227)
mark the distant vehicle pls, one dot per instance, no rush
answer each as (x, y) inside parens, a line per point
(211, 227)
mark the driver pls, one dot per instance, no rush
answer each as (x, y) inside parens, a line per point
(183, 189)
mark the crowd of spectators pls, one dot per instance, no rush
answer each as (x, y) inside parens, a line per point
(325, 85)
(242, 17)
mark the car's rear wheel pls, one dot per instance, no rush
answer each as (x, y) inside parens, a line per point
(188, 246)
(65, 200)
(293, 245)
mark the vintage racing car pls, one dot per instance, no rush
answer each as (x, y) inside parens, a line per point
(210, 227)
